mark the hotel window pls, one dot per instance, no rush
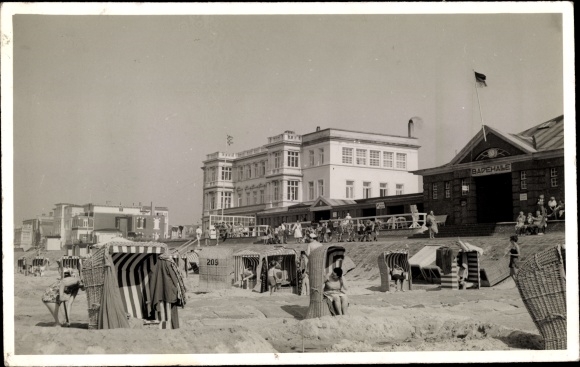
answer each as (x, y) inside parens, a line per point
(85, 222)
(464, 186)
(292, 190)
(248, 171)
(261, 196)
(321, 156)
(366, 190)
(156, 223)
(434, 191)
(388, 159)
(226, 173)
(402, 160)
(256, 170)
(277, 159)
(213, 174)
(350, 189)
(248, 198)
(276, 190)
(553, 177)
(523, 180)
(226, 200)
(384, 189)
(375, 158)
(347, 155)
(399, 189)
(320, 187)
(311, 158)
(263, 169)
(447, 189)
(255, 197)
(311, 190)
(240, 200)
(292, 159)
(361, 157)
(240, 173)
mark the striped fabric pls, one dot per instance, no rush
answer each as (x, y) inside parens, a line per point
(450, 281)
(400, 258)
(141, 249)
(334, 259)
(72, 262)
(133, 280)
(473, 274)
(193, 257)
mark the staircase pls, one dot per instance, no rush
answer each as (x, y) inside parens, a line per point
(462, 230)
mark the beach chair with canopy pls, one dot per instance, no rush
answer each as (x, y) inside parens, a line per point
(321, 264)
(259, 260)
(71, 262)
(132, 279)
(39, 265)
(387, 260)
(216, 267)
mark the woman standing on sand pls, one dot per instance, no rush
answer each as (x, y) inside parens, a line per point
(65, 291)
(514, 252)
(297, 232)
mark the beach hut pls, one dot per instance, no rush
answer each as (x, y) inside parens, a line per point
(216, 267)
(135, 279)
(258, 261)
(541, 282)
(321, 264)
(387, 260)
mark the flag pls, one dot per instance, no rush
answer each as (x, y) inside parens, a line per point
(480, 79)
(230, 140)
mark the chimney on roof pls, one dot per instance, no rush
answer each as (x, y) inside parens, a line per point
(411, 128)
(317, 128)
(534, 142)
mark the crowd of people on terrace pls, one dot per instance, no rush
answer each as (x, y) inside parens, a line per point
(324, 231)
(537, 223)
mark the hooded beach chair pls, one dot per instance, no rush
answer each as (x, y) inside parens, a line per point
(387, 261)
(321, 264)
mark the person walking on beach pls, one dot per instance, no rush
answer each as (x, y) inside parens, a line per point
(514, 252)
(272, 276)
(63, 291)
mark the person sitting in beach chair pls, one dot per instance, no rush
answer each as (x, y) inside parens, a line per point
(398, 274)
(334, 290)
(247, 274)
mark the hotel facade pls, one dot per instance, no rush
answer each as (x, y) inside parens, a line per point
(292, 170)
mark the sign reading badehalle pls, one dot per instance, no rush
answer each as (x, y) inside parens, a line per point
(491, 170)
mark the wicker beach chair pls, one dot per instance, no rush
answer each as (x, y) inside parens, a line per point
(321, 263)
(541, 282)
(387, 260)
(216, 267)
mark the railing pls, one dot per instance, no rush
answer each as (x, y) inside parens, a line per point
(285, 137)
(217, 155)
(391, 221)
(248, 152)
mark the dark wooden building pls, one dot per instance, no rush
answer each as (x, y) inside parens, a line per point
(492, 179)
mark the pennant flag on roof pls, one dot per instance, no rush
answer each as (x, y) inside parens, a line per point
(480, 79)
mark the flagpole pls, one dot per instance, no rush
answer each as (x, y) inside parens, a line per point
(479, 105)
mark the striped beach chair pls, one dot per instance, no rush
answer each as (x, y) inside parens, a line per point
(387, 260)
(134, 262)
(71, 262)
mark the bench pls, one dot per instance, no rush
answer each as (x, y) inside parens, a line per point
(440, 219)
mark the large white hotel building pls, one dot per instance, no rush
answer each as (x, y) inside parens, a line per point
(335, 165)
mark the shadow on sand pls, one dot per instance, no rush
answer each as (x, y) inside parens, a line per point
(523, 340)
(73, 325)
(295, 310)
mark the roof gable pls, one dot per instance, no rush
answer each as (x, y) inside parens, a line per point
(495, 144)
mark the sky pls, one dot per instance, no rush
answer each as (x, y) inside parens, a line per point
(124, 109)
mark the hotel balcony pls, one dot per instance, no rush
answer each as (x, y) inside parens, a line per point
(218, 184)
(292, 171)
(220, 156)
(285, 138)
